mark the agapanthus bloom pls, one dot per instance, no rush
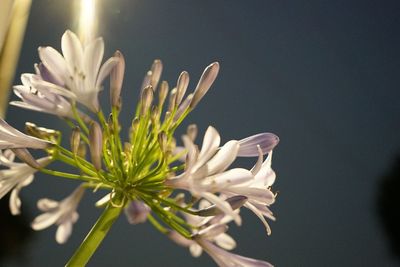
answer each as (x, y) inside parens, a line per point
(17, 176)
(145, 174)
(78, 70)
(63, 214)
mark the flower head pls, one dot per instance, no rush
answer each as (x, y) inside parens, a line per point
(79, 69)
(63, 214)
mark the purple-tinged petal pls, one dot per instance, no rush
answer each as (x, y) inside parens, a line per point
(248, 146)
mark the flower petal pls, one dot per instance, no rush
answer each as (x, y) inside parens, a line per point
(225, 241)
(248, 146)
(63, 232)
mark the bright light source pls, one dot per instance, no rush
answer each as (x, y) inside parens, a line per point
(87, 20)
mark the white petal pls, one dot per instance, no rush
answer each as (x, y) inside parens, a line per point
(45, 220)
(195, 250)
(103, 201)
(256, 168)
(266, 174)
(46, 204)
(55, 63)
(223, 206)
(105, 70)
(72, 51)
(210, 145)
(15, 201)
(225, 241)
(24, 105)
(222, 160)
(93, 55)
(179, 239)
(63, 232)
(259, 215)
(261, 195)
(47, 87)
(218, 182)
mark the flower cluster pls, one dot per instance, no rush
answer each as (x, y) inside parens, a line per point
(143, 175)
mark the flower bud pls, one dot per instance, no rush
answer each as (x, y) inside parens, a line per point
(82, 150)
(116, 79)
(75, 140)
(172, 100)
(156, 70)
(146, 99)
(163, 141)
(96, 144)
(24, 155)
(181, 85)
(205, 82)
(162, 94)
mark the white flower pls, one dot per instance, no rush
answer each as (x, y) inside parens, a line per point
(17, 175)
(12, 138)
(206, 174)
(40, 100)
(205, 171)
(79, 69)
(62, 213)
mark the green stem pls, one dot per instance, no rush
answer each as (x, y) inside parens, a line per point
(97, 233)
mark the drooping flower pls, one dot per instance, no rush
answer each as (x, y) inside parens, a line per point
(79, 69)
(17, 176)
(63, 214)
(12, 138)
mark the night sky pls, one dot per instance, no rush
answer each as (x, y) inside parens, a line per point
(323, 75)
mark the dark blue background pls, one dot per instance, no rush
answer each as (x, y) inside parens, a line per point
(323, 75)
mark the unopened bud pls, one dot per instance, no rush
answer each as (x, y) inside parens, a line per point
(24, 155)
(75, 140)
(146, 99)
(154, 114)
(156, 70)
(82, 150)
(172, 100)
(205, 82)
(96, 144)
(181, 85)
(163, 141)
(116, 80)
(183, 107)
(162, 93)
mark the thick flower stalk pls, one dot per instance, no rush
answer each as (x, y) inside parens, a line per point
(141, 175)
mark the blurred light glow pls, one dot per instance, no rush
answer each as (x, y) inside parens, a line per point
(87, 20)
